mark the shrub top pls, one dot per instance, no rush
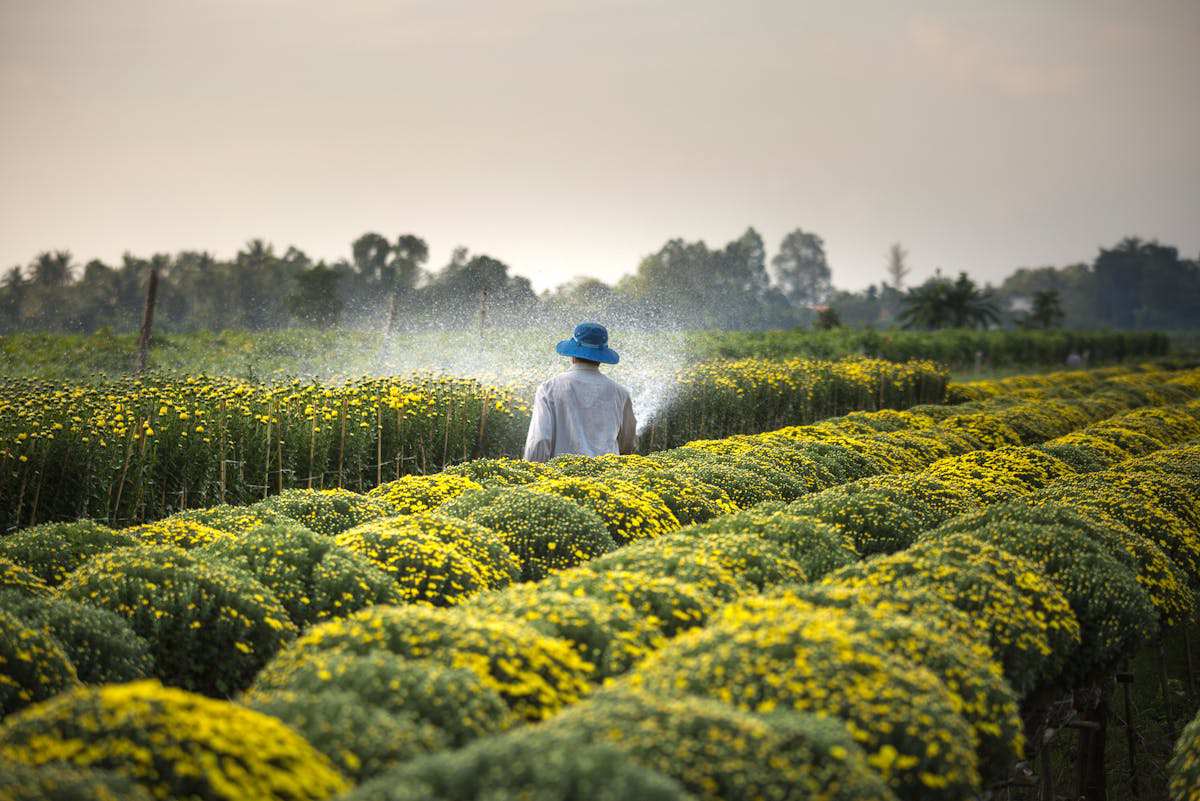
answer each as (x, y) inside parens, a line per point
(174, 743)
(52, 550)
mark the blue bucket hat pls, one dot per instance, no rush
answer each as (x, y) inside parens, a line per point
(590, 341)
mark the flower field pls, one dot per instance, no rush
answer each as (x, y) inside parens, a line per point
(132, 450)
(882, 605)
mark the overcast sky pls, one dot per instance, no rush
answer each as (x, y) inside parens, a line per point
(570, 138)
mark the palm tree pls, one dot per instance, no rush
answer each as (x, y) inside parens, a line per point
(942, 303)
(1047, 310)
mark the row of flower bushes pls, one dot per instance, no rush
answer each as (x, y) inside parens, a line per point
(524, 652)
(960, 348)
(719, 398)
(132, 450)
(1184, 768)
(1031, 629)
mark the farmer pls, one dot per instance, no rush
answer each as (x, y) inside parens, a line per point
(582, 411)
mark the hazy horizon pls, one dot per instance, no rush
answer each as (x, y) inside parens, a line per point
(575, 139)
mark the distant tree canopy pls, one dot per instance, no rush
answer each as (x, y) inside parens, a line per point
(942, 303)
(1136, 284)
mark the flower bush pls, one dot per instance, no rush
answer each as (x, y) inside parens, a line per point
(179, 533)
(689, 499)
(210, 627)
(522, 765)
(310, 575)
(535, 674)
(1183, 772)
(666, 603)
(1030, 624)
(326, 512)
(174, 743)
(1118, 499)
(629, 512)
(436, 558)
(501, 471)
(744, 487)
(455, 701)
(361, 741)
(610, 636)
(1084, 452)
(765, 654)
(412, 494)
(1115, 614)
(723, 563)
(546, 532)
(52, 550)
(681, 559)
(101, 646)
(16, 578)
(33, 665)
(879, 520)
(237, 520)
(816, 546)
(965, 666)
(61, 782)
(719, 753)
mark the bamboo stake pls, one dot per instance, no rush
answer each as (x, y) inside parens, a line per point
(222, 469)
(143, 353)
(1125, 678)
(342, 445)
(267, 457)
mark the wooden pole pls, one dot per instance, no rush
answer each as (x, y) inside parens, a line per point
(143, 353)
(1125, 678)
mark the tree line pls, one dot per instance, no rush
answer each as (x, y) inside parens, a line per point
(388, 283)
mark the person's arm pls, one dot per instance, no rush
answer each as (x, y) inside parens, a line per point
(627, 436)
(539, 444)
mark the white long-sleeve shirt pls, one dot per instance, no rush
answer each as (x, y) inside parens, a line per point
(580, 411)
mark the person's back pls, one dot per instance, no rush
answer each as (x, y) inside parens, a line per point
(581, 410)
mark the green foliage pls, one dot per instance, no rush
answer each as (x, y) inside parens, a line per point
(965, 666)
(196, 440)
(535, 674)
(880, 518)
(764, 654)
(1115, 614)
(237, 520)
(435, 558)
(1031, 627)
(501, 471)
(546, 532)
(360, 741)
(610, 636)
(455, 701)
(817, 547)
(52, 550)
(1184, 768)
(16, 578)
(629, 512)
(33, 665)
(524, 765)
(689, 499)
(717, 398)
(102, 647)
(62, 782)
(721, 754)
(311, 576)
(942, 303)
(669, 604)
(210, 627)
(173, 743)
(724, 563)
(326, 512)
